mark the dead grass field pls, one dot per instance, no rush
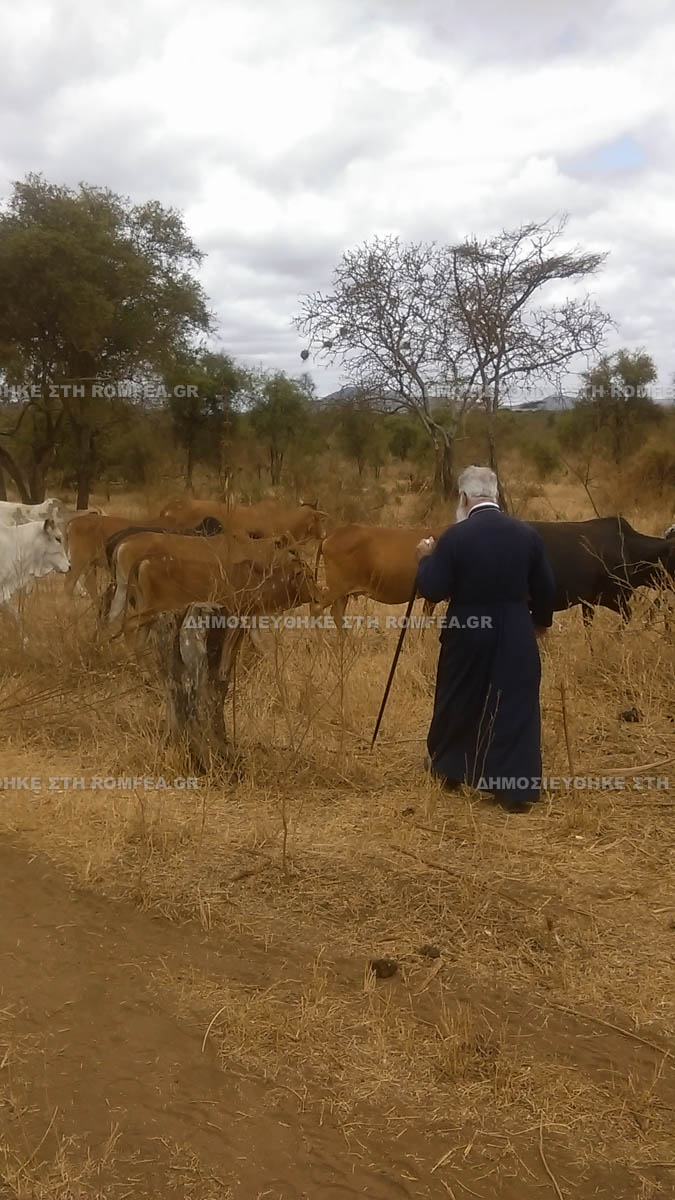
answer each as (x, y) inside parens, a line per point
(523, 1048)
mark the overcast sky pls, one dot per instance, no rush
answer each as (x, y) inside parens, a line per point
(288, 130)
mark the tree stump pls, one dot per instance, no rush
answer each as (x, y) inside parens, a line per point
(196, 655)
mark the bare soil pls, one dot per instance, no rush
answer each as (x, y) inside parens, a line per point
(109, 1088)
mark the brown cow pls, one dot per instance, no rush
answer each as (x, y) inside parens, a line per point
(244, 588)
(268, 518)
(370, 560)
(219, 551)
(87, 538)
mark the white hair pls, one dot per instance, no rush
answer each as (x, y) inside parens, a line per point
(478, 483)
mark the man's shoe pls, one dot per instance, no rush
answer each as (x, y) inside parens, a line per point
(514, 806)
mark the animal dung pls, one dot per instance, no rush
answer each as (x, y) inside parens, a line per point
(383, 968)
(429, 951)
(631, 714)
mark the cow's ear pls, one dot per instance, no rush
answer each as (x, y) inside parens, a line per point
(49, 526)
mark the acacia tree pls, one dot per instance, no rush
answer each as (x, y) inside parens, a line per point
(279, 417)
(415, 322)
(497, 304)
(202, 410)
(381, 322)
(615, 411)
(95, 291)
(360, 432)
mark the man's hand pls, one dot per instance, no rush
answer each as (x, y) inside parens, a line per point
(424, 547)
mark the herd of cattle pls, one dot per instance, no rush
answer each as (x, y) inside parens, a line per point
(248, 559)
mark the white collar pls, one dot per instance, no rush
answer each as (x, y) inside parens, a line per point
(483, 504)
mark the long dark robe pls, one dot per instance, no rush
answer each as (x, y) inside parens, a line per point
(486, 725)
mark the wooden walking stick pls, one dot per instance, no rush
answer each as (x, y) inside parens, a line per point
(383, 705)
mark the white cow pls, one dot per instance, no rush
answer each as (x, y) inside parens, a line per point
(28, 552)
(14, 513)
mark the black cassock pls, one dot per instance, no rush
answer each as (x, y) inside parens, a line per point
(486, 724)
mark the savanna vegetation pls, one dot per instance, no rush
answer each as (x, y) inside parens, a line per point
(317, 974)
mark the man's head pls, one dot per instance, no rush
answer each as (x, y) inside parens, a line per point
(475, 486)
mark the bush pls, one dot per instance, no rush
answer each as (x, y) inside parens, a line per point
(542, 457)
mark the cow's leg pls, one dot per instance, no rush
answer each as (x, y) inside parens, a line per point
(337, 610)
(105, 601)
(89, 584)
(72, 579)
(118, 601)
(254, 640)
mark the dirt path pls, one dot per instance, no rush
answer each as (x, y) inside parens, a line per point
(107, 1093)
(91, 1045)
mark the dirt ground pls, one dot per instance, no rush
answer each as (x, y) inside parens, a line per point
(186, 1001)
(108, 1091)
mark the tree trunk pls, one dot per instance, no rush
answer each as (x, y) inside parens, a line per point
(444, 475)
(38, 482)
(276, 460)
(15, 475)
(494, 462)
(84, 466)
(195, 662)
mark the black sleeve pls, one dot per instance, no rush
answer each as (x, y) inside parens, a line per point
(435, 572)
(542, 585)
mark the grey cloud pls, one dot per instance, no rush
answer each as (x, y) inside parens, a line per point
(523, 30)
(289, 257)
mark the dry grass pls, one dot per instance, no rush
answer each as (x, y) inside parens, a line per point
(555, 931)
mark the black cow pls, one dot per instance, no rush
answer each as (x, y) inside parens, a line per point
(602, 561)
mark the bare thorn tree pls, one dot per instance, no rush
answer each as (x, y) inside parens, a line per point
(384, 323)
(499, 306)
(418, 322)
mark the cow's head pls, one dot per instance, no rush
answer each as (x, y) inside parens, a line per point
(209, 527)
(305, 587)
(54, 556)
(311, 524)
(298, 586)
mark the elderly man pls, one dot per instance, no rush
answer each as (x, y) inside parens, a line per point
(486, 728)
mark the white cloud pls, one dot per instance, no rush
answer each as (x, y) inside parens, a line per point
(289, 132)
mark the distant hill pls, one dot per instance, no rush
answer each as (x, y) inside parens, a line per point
(386, 400)
(556, 402)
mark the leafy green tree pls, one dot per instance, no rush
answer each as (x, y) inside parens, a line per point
(279, 418)
(405, 439)
(202, 407)
(361, 434)
(615, 411)
(96, 291)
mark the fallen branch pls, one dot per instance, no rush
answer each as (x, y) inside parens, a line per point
(40, 1143)
(580, 1016)
(548, 1170)
(568, 743)
(636, 770)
